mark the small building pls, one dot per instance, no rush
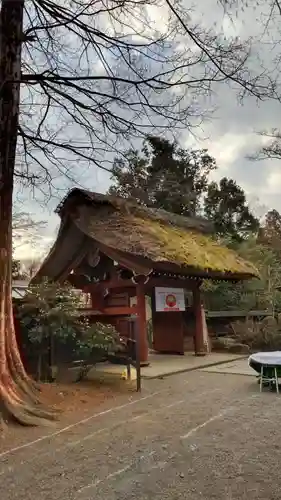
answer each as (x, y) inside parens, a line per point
(119, 253)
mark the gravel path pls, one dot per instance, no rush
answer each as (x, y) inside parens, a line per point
(194, 436)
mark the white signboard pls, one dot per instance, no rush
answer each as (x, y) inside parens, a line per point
(169, 299)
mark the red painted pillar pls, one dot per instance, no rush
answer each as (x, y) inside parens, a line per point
(199, 334)
(142, 333)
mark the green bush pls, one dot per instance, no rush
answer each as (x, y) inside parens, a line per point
(49, 313)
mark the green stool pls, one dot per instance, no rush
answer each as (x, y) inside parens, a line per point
(269, 376)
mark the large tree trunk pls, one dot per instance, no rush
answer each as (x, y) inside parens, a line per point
(18, 395)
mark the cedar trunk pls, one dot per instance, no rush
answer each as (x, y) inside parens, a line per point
(18, 395)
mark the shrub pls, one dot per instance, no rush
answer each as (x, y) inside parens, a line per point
(259, 335)
(49, 314)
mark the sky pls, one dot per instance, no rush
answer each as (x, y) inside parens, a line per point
(230, 134)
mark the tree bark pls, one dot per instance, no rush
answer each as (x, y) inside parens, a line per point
(18, 398)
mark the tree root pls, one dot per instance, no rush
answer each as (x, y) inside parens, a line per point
(13, 407)
(27, 416)
(19, 399)
(26, 391)
(19, 403)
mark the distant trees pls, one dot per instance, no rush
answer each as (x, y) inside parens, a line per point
(260, 293)
(164, 175)
(270, 232)
(264, 250)
(226, 205)
(26, 231)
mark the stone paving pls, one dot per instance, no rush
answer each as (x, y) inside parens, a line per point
(162, 365)
(238, 367)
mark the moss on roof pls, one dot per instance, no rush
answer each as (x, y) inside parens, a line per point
(194, 249)
(159, 240)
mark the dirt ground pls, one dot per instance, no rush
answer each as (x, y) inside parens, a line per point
(74, 402)
(192, 436)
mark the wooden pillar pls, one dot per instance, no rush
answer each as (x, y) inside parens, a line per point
(199, 347)
(97, 300)
(141, 319)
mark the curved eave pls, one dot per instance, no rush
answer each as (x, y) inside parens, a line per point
(204, 273)
(138, 262)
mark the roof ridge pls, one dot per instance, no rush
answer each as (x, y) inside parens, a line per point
(196, 223)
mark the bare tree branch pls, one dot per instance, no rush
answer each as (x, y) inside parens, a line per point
(26, 230)
(269, 19)
(98, 73)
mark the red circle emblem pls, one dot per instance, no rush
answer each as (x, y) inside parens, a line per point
(171, 300)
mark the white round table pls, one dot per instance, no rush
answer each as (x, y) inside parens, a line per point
(267, 360)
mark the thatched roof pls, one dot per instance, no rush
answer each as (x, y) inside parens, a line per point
(78, 197)
(159, 238)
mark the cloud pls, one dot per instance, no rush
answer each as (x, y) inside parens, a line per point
(231, 139)
(226, 149)
(274, 181)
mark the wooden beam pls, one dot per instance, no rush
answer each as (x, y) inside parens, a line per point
(152, 282)
(165, 281)
(110, 311)
(141, 327)
(199, 334)
(110, 284)
(97, 300)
